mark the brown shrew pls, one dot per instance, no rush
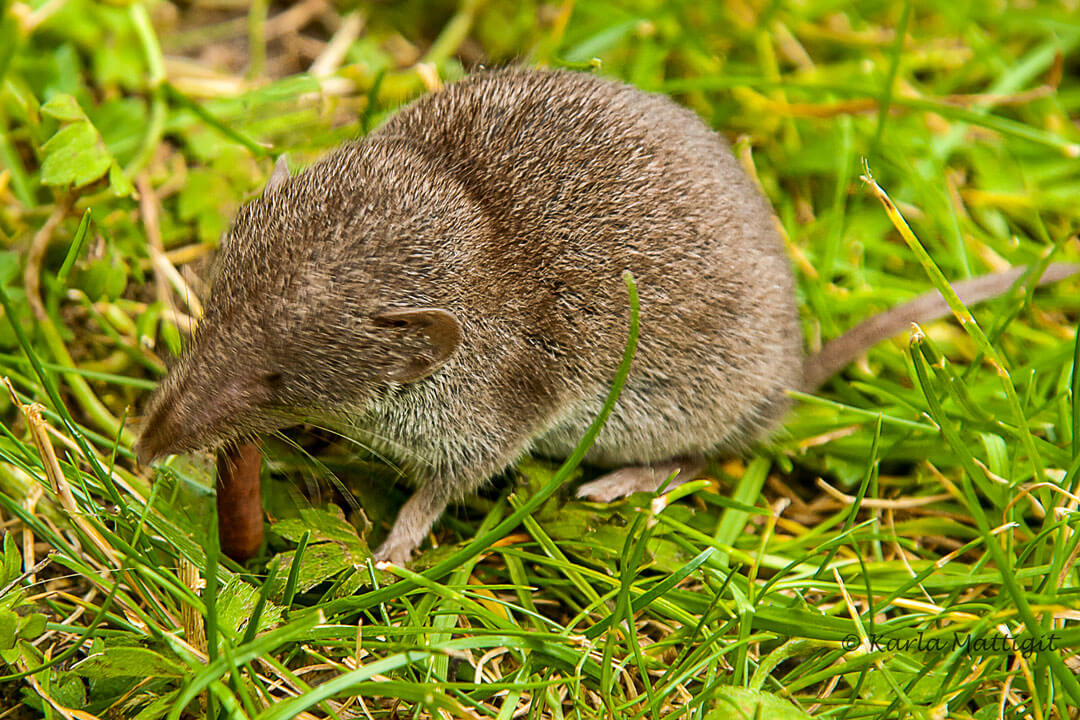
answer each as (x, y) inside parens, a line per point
(450, 287)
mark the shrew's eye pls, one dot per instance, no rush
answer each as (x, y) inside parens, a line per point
(272, 379)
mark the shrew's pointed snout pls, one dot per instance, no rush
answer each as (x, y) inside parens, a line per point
(193, 410)
(145, 450)
(150, 445)
(163, 433)
(168, 425)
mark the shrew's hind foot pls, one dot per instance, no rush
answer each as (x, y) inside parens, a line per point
(640, 478)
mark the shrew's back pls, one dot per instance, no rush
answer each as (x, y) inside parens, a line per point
(583, 178)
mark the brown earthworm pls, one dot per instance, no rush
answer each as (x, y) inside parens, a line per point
(239, 501)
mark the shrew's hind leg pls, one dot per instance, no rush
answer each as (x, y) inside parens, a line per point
(640, 478)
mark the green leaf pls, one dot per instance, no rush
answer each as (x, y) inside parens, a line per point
(157, 708)
(739, 703)
(121, 122)
(74, 156)
(10, 655)
(328, 524)
(120, 63)
(12, 566)
(69, 690)
(31, 626)
(236, 602)
(118, 181)
(321, 562)
(105, 277)
(9, 624)
(64, 107)
(602, 533)
(118, 662)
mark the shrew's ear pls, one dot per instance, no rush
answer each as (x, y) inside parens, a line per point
(436, 334)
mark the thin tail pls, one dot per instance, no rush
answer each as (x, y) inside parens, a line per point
(836, 354)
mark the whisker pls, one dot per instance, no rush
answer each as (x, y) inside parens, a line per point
(408, 453)
(321, 470)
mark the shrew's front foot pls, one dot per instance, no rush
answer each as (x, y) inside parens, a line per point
(394, 551)
(413, 522)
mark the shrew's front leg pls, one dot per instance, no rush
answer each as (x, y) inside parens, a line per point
(414, 521)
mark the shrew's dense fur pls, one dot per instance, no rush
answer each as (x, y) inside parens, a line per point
(452, 285)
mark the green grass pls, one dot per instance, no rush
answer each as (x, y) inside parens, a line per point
(867, 563)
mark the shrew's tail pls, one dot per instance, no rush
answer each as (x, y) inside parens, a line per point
(836, 354)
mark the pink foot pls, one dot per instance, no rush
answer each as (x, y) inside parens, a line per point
(640, 478)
